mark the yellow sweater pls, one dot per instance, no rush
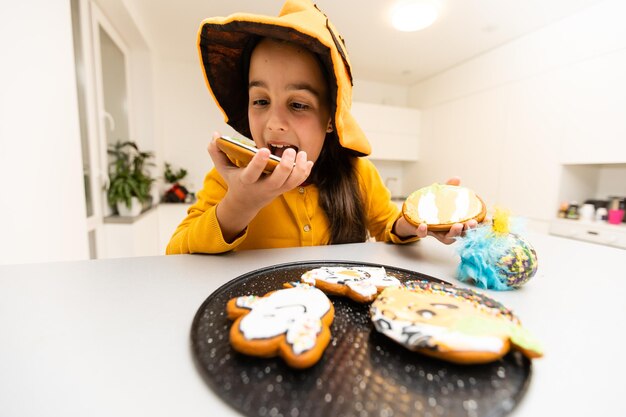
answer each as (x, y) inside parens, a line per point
(292, 219)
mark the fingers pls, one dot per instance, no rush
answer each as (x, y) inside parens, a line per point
(292, 170)
(287, 162)
(219, 158)
(301, 170)
(212, 146)
(422, 231)
(251, 173)
(471, 224)
(454, 233)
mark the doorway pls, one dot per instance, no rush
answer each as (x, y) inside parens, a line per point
(102, 71)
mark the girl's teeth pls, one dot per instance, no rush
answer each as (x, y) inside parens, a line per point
(279, 149)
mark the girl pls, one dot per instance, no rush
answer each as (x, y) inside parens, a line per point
(286, 83)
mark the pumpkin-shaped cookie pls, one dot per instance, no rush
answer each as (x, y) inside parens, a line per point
(441, 205)
(450, 323)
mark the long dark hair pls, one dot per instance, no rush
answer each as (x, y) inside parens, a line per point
(339, 192)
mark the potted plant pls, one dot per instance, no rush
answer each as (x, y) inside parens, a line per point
(177, 193)
(129, 182)
(171, 176)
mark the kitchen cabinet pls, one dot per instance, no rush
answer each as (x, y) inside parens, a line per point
(591, 181)
(145, 235)
(170, 216)
(392, 131)
(131, 236)
(582, 182)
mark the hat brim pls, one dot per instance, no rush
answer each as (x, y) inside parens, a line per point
(225, 49)
(225, 45)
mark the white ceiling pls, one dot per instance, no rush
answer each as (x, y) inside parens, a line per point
(465, 29)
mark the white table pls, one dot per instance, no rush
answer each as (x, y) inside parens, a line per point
(112, 337)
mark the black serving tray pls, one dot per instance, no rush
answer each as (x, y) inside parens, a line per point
(362, 373)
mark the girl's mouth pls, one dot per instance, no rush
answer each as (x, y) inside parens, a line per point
(279, 149)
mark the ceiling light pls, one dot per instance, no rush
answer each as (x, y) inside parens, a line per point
(413, 15)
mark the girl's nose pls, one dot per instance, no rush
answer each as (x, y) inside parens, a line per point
(277, 120)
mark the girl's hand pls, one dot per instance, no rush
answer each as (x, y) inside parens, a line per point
(404, 229)
(249, 190)
(449, 237)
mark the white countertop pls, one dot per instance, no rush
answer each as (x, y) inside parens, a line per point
(112, 337)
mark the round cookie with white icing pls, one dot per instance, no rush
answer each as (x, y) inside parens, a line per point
(450, 323)
(361, 284)
(293, 323)
(441, 205)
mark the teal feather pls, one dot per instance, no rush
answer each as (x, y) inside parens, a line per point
(483, 253)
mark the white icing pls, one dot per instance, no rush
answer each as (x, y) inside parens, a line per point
(366, 282)
(406, 333)
(427, 208)
(461, 205)
(459, 340)
(308, 279)
(275, 314)
(464, 205)
(363, 287)
(302, 334)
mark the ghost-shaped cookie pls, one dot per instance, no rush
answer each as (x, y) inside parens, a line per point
(359, 283)
(293, 323)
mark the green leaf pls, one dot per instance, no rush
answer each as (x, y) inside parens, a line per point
(127, 173)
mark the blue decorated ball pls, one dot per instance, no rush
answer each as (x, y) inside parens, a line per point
(518, 263)
(496, 261)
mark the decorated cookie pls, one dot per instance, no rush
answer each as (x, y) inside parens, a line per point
(450, 323)
(440, 206)
(241, 151)
(360, 284)
(494, 257)
(292, 323)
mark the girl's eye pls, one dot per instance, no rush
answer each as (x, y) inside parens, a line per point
(299, 106)
(260, 102)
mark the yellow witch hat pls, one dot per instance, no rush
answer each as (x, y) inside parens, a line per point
(225, 43)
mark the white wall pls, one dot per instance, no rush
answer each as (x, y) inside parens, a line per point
(42, 208)
(187, 118)
(380, 93)
(391, 172)
(506, 121)
(611, 181)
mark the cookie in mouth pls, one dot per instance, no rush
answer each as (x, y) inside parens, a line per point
(240, 151)
(278, 149)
